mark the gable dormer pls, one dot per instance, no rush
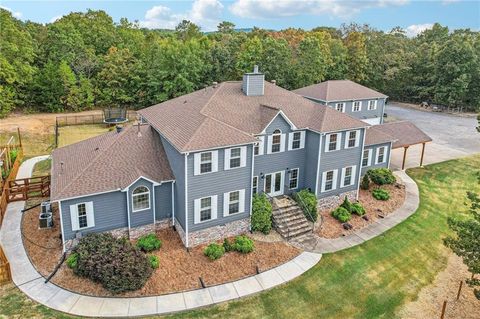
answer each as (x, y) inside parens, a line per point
(253, 83)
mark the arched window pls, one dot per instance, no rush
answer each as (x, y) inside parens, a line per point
(140, 198)
(276, 141)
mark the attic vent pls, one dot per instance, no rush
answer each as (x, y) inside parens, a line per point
(252, 84)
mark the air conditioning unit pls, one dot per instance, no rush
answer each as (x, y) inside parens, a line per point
(46, 207)
(45, 220)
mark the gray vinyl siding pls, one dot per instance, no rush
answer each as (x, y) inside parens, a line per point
(163, 201)
(253, 84)
(177, 165)
(110, 212)
(311, 160)
(218, 183)
(374, 149)
(143, 217)
(282, 161)
(338, 160)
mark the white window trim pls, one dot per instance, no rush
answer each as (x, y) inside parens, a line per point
(378, 155)
(369, 160)
(135, 195)
(241, 202)
(197, 209)
(290, 140)
(270, 143)
(374, 105)
(357, 138)
(352, 180)
(290, 177)
(343, 107)
(74, 216)
(243, 157)
(359, 107)
(339, 141)
(255, 177)
(334, 180)
(197, 162)
(261, 146)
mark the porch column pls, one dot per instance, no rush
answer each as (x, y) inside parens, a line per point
(423, 152)
(405, 148)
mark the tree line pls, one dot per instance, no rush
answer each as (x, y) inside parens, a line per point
(85, 60)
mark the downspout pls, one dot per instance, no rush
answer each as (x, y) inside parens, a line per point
(389, 154)
(251, 184)
(361, 160)
(318, 164)
(61, 225)
(173, 204)
(128, 209)
(153, 205)
(186, 200)
(383, 110)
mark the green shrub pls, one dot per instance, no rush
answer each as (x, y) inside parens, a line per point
(243, 244)
(114, 262)
(261, 219)
(381, 176)
(13, 155)
(358, 209)
(380, 194)
(214, 251)
(310, 200)
(347, 205)
(227, 245)
(154, 261)
(149, 243)
(341, 214)
(72, 260)
(365, 184)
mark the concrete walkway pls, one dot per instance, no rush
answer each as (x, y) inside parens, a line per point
(316, 244)
(30, 282)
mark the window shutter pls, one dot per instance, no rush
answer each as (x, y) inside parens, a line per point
(290, 141)
(347, 137)
(226, 200)
(354, 175)
(342, 180)
(243, 156)
(370, 151)
(339, 141)
(269, 144)
(282, 142)
(335, 173)
(357, 138)
(324, 180)
(302, 139)
(90, 214)
(74, 217)
(196, 211)
(227, 159)
(242, 201)
(214, 161)
(214, 207)
(261, 145)
(196, 164)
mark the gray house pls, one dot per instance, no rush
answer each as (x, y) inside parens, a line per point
(197, 160)
(348, 97)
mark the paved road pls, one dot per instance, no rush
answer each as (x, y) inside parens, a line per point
(453, 136)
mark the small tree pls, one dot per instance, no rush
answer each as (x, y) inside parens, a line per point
(365, 184)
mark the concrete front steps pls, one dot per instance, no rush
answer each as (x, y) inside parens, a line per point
(289, 219)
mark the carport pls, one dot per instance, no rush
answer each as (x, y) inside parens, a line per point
(406, 134)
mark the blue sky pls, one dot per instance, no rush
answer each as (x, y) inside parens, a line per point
(414, 16)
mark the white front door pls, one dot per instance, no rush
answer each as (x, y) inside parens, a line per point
(274, 184)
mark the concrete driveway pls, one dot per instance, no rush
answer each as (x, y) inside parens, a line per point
(453, 136)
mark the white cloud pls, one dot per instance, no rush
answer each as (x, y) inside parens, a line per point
(16, 14)
(205, 13)
(55, 18)
(285, 8)
(415, 29)
(447, 2)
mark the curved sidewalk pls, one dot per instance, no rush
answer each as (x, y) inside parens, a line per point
(321, 245)
(30, 282)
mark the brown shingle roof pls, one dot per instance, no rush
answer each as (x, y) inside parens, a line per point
(108, 162)
(338, 90)
(405, 133)
(221, 116)
(374, 136)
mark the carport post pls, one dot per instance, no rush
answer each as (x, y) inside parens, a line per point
(405, 148)
(423, 151)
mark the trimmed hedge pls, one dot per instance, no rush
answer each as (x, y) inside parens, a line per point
(243, 244)
(380, 194)
(381, 176)
(261, 219)
(341, 214)
(149, 242)
(154, 261)
(214, 251)
(114, 262)
(310, 200)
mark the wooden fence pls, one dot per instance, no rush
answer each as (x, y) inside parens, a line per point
(25, 188)
(4, 184)
(5, 273)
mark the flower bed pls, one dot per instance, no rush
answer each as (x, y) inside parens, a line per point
(178, 269)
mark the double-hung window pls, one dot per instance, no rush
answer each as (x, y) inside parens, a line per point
(352, 139)
(366, 157)
(348, 176)
(234, 202)
(82, 216)
(235, 156)
(372, 104)
(340, 107)
(297, 136)
(255, 185)
(205, 209)
(357, 106)
(276, 141)
(293, 178)
(381, 155)
(333, 142)
(140, 198)
(259, 146)
(329, 180)
(205, 162)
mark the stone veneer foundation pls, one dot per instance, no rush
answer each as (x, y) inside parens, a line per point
(210, 234)
(333, 201)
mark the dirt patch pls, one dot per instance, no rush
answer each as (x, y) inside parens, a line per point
(179, 270)
(332, 228)
(445, 287)
(430, 109)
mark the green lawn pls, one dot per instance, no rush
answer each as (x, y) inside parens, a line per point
(42, 168)
(372, 280)
(75, 133)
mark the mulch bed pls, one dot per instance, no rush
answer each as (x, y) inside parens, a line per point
(179, 270)
(332, 228)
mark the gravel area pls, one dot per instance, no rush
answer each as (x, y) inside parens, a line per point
(179, 270)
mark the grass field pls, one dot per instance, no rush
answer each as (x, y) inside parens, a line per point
(373, 280)
(71, 134)
(42, 168)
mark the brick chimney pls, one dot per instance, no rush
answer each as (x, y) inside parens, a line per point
(253, 83)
